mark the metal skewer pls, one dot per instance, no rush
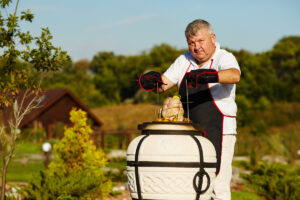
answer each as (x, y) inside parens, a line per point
(157, 102)
(187, 100)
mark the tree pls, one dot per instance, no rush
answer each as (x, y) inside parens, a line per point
(23, 60)
(116, 75)
(76, 171)
(163, 55)
(76, 153)
(106, 66)
(83, 64)
(78, 80)
(285, 57)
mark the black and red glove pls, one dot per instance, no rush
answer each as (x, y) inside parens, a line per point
(202, 76)
(150, 80)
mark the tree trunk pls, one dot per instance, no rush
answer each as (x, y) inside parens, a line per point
(4, 167)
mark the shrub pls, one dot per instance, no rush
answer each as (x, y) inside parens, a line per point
(80, 185)
(244, 107)
(259, 127)
(275, 181)
(76, 171)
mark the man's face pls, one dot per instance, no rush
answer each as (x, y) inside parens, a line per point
(202, 45)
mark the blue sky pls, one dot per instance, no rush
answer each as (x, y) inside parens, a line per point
(128, 27)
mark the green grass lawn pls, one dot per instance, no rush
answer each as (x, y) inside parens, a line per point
(244, 195)
(27, 148)
(18, 172)
(117, 164)
(23, 171)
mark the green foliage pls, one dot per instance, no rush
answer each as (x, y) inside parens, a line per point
(272, 74)
(33, 135)
(76, 171)
(76, 153)
(259, 127)
(36, 52)
(118, 169)
(110, 79)
(253, 157)
(117, 76)
(267, 77)
(286, 52)
(244, 106)
(78, 79)
(275, 181)
(244, 195)
(282, 142)
(107, 82)
(117, 174)
(5, 3)
(79, 185)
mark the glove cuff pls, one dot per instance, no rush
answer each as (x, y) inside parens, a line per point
(210, 76)
(157, 81)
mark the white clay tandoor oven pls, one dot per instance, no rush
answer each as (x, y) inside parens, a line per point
(170, 161)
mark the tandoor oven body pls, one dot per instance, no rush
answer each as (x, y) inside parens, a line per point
(170, 161)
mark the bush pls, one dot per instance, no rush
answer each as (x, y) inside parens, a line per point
(76, 171)
(244, 107)
(59, 186)
(275, 181)
(259, 127)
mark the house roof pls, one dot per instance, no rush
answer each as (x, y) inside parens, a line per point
(46, 99)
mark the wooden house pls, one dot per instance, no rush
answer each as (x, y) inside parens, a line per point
(53, 106)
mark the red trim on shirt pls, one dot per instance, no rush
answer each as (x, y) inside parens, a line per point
(184, 75)
(211, 62)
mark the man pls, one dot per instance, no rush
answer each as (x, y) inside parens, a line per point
(207, 74)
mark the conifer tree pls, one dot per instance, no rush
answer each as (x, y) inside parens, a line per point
(76, 153)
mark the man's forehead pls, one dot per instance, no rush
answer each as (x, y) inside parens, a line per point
(199, 34)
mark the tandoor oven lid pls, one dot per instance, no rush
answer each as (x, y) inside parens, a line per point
(171, 128)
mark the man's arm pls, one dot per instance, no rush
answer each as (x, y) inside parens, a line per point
(151, 80)
(229, 76)
(203, 76)
(167, 84)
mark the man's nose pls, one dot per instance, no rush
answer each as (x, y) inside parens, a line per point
(197, 45)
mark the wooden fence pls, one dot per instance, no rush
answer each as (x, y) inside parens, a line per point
(124, 135)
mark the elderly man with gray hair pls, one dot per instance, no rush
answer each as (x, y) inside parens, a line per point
(208, 75)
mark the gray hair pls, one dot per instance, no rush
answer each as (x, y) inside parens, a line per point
(193, 27)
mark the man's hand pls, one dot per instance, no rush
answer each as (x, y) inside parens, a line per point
(150, 80)
(202, 76)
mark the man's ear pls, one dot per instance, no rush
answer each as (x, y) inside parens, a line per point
(213, 38)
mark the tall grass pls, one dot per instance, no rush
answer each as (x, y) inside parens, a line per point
(278, 141)
(126, 116)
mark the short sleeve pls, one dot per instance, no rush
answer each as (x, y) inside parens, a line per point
(174, 71)
(228, 61)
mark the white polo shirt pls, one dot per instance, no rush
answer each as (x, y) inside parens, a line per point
(223, 94)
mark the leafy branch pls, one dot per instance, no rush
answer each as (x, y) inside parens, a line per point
(23, 60)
